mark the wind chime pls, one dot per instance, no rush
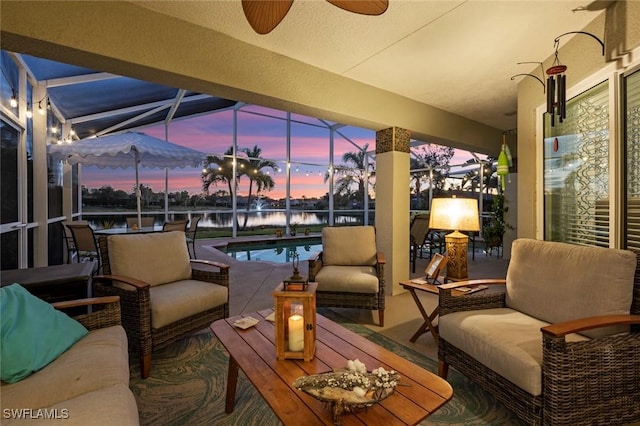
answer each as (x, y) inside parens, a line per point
(505, 161)
(557, 89)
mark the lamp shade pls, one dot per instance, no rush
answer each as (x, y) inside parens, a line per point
(457, 214)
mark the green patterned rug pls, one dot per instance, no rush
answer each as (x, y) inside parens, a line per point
(188, 385)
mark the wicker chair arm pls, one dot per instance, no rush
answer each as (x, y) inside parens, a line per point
(211, 272)
(380, 258)
(315, 263)
(316, 256)
(210, 263)
(107, 317)
(448, 303)
(467, 283)
(65, 304)
(575, 326)
(109, 279)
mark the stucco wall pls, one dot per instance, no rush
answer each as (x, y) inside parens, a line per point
(619, 29)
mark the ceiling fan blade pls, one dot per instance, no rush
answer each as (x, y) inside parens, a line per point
(363, 7)
(265, 15)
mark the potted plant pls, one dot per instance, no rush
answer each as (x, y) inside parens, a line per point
(493, 230)
(293, 228)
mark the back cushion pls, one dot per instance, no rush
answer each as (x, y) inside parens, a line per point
(556, 282)
(349, 245)
(155, 258)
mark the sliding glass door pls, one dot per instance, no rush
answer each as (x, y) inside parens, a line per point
(14, 233)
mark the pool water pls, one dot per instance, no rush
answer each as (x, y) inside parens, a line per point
(275, 251)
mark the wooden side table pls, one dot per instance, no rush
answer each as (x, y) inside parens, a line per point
(413, 287)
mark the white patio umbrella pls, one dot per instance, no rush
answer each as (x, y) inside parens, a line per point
(123, 150)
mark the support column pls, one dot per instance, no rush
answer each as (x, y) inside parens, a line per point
(67, 181)
(392, 204)
(40, 182)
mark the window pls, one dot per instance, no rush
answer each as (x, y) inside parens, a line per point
(576, 171)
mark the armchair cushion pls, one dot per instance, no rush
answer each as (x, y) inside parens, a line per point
(33, 333)
(350, 279)
(181, 299)
(578, 282)
(155, 258)
(349, 245)
(504, 340)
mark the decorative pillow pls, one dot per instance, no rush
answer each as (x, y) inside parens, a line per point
(32, 333)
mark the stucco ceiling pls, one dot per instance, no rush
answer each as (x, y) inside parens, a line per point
(455, 55)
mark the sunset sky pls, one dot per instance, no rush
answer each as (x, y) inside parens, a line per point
(213, 134)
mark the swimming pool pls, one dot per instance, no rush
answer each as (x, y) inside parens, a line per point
(273, 250)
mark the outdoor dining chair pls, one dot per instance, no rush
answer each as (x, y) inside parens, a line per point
(177, 225)
(84, 241)
(70, 246)
(191, 235)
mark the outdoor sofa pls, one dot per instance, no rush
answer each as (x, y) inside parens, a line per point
(87, 384)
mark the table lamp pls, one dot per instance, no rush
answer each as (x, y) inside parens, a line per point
(455, 214)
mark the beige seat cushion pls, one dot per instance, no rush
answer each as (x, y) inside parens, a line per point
(556, 282)
(349, 245)
(181, 299)
(350, 279)
(98, 360)
(506, 341)
(155, 258)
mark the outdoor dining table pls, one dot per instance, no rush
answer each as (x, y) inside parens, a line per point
(122, 231)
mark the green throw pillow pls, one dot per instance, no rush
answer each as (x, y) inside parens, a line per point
(32, 333)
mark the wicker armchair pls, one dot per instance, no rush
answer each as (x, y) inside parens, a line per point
(165, 296)
(349, 270)
(553, 291)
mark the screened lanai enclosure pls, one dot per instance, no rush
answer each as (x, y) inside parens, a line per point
(264, 169)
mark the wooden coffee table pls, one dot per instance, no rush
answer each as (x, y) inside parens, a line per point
(252, 350)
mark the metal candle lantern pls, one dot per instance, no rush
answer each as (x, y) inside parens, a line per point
(295, 322)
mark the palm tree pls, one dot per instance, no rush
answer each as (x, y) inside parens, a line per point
(417, 174)
(436, 158)
(253, 170)
(490, 177)
(353, 171)
(222, 173)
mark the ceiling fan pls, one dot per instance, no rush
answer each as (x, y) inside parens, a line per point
(265, 15)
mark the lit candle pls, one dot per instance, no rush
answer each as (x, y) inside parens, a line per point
(296, 333)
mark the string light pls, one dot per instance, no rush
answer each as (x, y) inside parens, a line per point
(40, 109)
(14, 101)
(29, 112)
